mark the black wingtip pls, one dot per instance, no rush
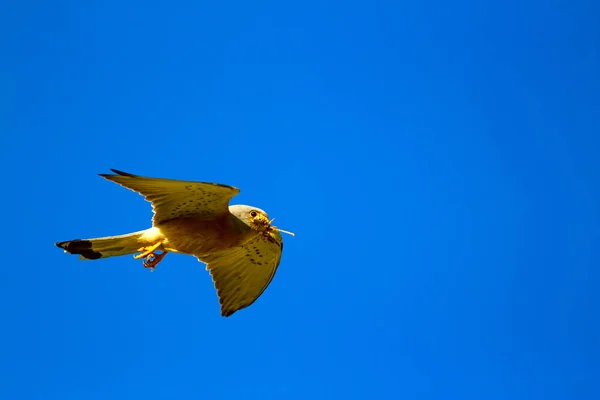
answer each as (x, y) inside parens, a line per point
(116, 171)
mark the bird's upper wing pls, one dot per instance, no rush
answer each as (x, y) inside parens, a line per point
(243, 273)
(178, 199)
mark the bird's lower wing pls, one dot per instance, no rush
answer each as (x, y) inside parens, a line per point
(243, 273)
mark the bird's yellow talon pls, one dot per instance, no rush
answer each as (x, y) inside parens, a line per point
(146, 251)
(152, 260)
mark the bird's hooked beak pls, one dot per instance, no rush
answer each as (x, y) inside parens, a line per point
(261, 223)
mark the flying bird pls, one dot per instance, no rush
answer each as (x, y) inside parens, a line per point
(238, 244)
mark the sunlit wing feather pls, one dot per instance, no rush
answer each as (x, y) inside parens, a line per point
(242, 274)
(178, 199)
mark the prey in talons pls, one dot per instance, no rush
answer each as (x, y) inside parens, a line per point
(151, 258)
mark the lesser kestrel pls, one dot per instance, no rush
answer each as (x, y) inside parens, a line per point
(241, 248)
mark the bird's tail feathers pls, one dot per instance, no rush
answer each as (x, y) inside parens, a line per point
(110, 246)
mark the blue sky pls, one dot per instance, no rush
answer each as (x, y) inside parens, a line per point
(438, 162)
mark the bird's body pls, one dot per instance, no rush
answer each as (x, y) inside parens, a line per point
(199, 236)
(241, 248)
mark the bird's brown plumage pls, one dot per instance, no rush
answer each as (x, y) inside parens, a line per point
(242, 274)
(240, 247)
(173, 199)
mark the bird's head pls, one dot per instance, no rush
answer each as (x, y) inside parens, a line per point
(255, 218)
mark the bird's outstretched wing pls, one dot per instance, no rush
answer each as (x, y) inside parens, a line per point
(178, 199)
(243, 273)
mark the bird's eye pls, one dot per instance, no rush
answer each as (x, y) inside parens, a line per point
(253, 214)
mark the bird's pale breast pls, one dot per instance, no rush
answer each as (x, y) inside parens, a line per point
(197, 237)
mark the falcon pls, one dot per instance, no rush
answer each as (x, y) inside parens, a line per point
(238, 244)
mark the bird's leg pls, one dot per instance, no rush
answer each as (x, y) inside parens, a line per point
(153, 259)
(146, 251)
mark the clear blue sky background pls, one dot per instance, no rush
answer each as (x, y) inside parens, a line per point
(439, 162)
